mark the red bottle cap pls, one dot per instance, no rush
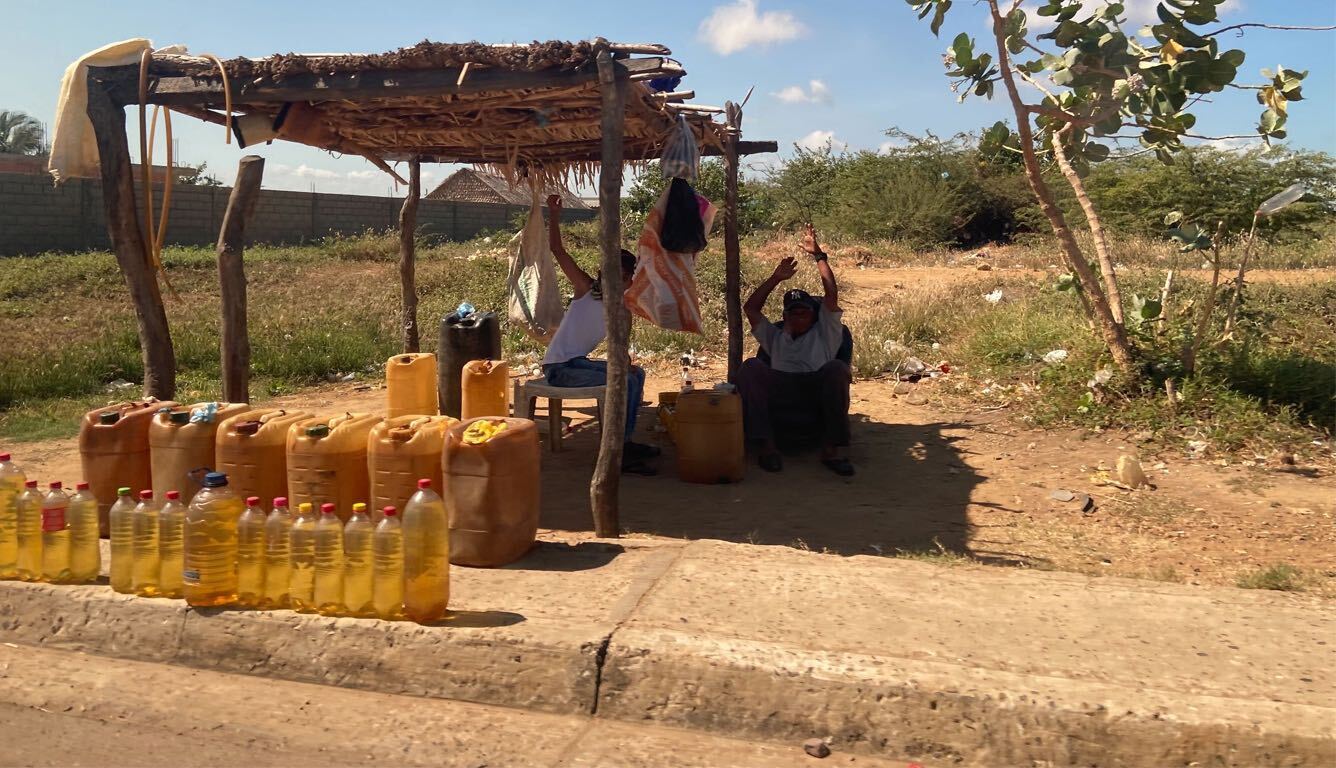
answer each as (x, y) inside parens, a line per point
(327, 509)
(55, 486)
(424, 483)
(173, 495)
(81, 487)
(252, 501)
(280, 501)
(146, 495)
(30, 484)
(389, 511)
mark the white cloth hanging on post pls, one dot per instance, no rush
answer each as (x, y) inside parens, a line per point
(73, 145)
(535, 297)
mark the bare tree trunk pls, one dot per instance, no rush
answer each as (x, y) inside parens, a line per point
(732, 253)
(605, 485)
(1164, 299)
(235, 338)
(1106, 268)
(1207, 309)
(408, 256)
(1237, 298)
(118, 200)
(1113, 333)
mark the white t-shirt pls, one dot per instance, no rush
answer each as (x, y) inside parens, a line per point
(808, 352)
(582, 329)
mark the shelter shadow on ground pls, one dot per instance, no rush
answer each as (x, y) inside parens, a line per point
(900, 503)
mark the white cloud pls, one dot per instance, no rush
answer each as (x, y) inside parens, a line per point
(363, 180)
(731, 28)
(817, 92)
(886, 146)
(818, 139)
(1233, 144)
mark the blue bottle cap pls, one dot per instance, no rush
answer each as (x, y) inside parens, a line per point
(215, 480)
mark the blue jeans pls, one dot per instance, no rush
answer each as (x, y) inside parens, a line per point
(583, 372)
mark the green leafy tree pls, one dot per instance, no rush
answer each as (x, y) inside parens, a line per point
(754, 207)
(201, 177)
(1209, 185)
(1097, 82)
(20, 133)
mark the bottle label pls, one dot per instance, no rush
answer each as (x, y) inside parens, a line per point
(53, 519)
(190, 577)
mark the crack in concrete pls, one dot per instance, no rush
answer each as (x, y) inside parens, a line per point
(656, 567)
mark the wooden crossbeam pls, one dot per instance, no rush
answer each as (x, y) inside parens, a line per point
(123, 86)
(483, 155)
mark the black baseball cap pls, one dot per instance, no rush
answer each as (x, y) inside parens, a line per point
(798, 297)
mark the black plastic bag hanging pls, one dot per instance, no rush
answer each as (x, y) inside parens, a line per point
(683, 228)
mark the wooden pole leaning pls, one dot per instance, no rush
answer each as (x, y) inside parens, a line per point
(732, 252)
(235, 338)
(605, 485)
(127, 240)
(408, 257)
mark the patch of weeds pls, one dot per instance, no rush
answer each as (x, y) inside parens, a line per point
(1282, 577)
(939, 555)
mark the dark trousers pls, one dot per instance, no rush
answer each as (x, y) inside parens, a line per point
(774, 400)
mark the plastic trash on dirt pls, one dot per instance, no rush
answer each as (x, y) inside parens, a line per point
(1056, 357)
(993, 296)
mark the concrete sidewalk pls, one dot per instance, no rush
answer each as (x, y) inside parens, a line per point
(957, 664)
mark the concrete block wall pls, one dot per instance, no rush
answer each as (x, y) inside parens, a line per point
(36, 216)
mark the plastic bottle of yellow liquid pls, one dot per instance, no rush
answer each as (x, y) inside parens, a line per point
(171, 546)
(121, 519)
(301, 586)
(145, 567)
(11, 485)
(426, 555)
(358, 581)
(55, 536)
(250, 554)
(210, 570)
(30, 532)
(85, 553)
(388, 545)
(277, 555)
(329, 562)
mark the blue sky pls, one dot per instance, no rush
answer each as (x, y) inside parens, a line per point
(839, 70)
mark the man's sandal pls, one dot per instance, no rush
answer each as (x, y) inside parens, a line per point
(839, 465)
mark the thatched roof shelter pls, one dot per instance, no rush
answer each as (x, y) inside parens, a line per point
(541, 113)
(470, 185)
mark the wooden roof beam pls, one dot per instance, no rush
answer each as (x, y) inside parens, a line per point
(360, 86)
(473, 157)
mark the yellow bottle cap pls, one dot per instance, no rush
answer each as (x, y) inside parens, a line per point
(359, 507)
(305, 506)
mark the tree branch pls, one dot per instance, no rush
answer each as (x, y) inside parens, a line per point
(1280, 27)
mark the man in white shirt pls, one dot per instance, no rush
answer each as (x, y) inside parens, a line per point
(805, 373)
(583, 328)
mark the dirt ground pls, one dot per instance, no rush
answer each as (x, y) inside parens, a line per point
(939, 483)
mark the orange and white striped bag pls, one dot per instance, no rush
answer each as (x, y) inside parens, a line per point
(663, 290)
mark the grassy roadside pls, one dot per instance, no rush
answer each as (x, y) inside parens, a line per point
(331, 309)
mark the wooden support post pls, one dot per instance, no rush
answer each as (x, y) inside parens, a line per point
(234, 342)
(732, 252)
(606, 482)
(408, 256)
(127, 240)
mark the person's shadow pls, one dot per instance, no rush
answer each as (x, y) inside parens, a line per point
(910, 496)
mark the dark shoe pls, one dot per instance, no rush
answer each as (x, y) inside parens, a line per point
(839, 465)
(771, 462)
(633, 466)
(640, 450)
